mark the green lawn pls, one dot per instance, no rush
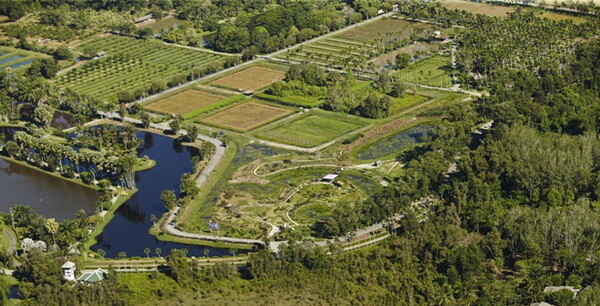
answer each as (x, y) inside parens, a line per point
(432, 71)
(313, 129)
(407, 100)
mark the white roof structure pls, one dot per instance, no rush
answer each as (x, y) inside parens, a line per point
(330, 177)
(68, 265)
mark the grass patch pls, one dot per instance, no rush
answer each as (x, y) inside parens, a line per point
(406, 101)
(432, 71)
(313, 129)
(246, 116)
(479, 8)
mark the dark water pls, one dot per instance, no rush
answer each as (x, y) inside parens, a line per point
(397, 142)
(61, 120)
(48, 195)
(128, 230)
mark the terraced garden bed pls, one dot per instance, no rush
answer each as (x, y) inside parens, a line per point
(17, 59)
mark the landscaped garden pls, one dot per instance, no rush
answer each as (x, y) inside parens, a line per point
(132, 67)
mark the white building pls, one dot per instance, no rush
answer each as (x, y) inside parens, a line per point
(69, 271)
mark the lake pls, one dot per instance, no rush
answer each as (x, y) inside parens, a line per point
(50, 196)
(128, 231)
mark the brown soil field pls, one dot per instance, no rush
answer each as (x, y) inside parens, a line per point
(252, 78)
(395, 28)
(478, 8)
(243, 117)
(184, 102)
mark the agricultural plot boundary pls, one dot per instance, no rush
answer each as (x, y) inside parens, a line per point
(312, 129)
(232, 117)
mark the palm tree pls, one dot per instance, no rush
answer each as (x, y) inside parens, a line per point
(147, 252)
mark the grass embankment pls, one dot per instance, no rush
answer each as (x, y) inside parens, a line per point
(123, 197)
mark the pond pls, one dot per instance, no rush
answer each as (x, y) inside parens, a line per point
(50, 196)
(397, 142)
(128, 230)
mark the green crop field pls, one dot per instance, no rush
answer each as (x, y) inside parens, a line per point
(313, 129)
(432, 71)
(407, 100)
(16, 59)
(132, 64)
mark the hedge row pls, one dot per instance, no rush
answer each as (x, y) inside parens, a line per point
(295, 101)
(211, 107)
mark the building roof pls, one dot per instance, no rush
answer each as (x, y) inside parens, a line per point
(68, 265)
(330, 177)
(143, 18)
(93, 276)
(558, 288)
